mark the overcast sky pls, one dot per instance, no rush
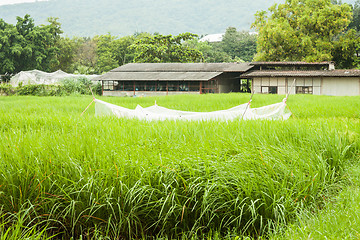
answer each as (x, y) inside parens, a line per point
(5, 2)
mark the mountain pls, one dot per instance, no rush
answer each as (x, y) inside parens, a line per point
(87, 18)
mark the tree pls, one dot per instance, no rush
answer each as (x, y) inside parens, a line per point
(11, 47)
(106, 53)
(239, 44)
(300, 30)
(160, 49)
(355, 22)
(346, 50)
(26, 46)
(67, 53)
(211, 52)
(113, 52)
(85, 61)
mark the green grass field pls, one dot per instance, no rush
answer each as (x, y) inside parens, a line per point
(65, 176)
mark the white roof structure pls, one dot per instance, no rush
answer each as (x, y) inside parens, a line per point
(212, 38)
(40, 77)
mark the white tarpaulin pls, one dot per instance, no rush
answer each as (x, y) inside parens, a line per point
(275, 111)
(40, 77)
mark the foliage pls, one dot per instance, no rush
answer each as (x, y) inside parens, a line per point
(67, 49)
(6, 89)
(346, 50)
(107, 178)
(300, 30)
(236, 46)
(76, 86)
(355, 22)
(212, 53)
(26, 46)
(340, 219)
(113, 52)
(239, 44)
(67, 87)
(161, 49)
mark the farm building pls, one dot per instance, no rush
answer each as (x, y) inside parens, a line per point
(173, 78)
(144, 79)
(310, 78)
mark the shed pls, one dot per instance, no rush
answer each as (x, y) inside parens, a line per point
(173, 78)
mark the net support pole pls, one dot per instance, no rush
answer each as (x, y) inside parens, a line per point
(248, 105)
(287, 95)
(92, 93)
(87, 107)
(90, 103)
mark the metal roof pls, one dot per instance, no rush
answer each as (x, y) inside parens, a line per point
(313, 73)
(159, 76)
(184, 67)
(291, 63)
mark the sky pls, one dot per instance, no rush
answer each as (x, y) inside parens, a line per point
(6, 2)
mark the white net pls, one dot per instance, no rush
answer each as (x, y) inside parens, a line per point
(275, 111)
(40, 77)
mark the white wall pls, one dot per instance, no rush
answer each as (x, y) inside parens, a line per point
(334, 86)
(341, 86)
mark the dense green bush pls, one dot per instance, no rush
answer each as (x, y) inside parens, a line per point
(6, 89)
(67, 87)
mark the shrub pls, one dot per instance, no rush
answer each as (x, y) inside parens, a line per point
(6, 89)
(67, 87)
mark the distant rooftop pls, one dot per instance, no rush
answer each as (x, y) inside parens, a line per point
(212, 38)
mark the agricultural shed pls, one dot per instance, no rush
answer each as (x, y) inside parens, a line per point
(40, 77)
(306, 78)
(144, 79)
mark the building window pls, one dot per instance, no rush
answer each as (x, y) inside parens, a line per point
(108, 85)
(140, 86)
(173, 86)
(209, 87)
(151, 86)
(128, 86)
(161, 86)
(269, 90)
(304, 90)
(194, 86)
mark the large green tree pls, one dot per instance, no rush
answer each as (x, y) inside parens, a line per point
(159, 49)
(212, 52)
(300, 30)
(113, 52)
(239, 44)
(26, 46)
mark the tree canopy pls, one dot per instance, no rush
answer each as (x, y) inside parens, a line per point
(159, 49)
(300, 30)
(26, 46)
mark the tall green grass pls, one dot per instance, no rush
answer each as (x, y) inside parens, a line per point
(66, 176)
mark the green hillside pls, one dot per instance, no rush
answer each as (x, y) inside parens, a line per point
(120, 17)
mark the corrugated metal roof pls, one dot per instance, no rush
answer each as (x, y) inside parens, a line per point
(183, 67)
(159, 76)
(314, 73)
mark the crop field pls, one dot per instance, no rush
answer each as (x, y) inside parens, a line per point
(66, 176)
